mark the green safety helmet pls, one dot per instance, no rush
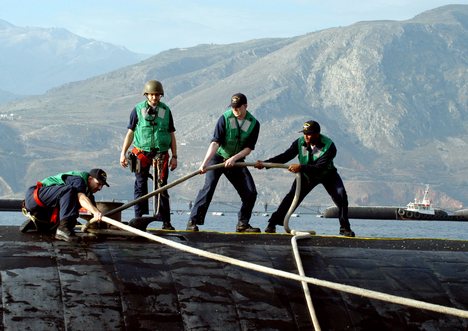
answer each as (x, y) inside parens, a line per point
(153, 86)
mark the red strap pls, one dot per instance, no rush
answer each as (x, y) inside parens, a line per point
(145, 161)
(164, 166)
(36, 195)
(136, 151)
(54, 216)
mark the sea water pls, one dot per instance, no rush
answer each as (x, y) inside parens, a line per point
(226, 220)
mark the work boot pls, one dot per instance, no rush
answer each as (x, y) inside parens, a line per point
(271, 228)
(245, 227)
(138, 223)
(67, 235)
(346, 232)
(167, 226)
(192, 226)
(66, 232)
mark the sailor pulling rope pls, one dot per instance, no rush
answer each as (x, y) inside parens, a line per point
(216, 166)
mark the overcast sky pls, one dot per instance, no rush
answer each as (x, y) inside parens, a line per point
(151, 26)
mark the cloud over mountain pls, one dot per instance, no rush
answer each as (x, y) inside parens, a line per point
(37, 59)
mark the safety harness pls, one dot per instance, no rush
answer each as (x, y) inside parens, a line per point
(54, 216)
(139, 153)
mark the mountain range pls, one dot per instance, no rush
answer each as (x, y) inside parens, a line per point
(391, 94)
(37, 59)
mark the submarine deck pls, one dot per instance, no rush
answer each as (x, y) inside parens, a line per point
(122, 283)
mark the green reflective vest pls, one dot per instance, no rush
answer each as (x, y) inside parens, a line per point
(58, 179)
(305, 156)
(237, 133)
(152, 130)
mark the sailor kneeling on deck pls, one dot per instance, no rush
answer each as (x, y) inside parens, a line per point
(316, 153)
(53, 204)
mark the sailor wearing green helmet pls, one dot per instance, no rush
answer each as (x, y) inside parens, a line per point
(152, 132)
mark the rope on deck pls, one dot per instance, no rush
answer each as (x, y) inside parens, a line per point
(305, 286)
(275, 272)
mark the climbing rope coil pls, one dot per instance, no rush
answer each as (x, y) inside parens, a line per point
(271, 271)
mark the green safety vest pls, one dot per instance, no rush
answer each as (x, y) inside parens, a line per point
(236, 133)
(304, 155)
(59, 179)
(152, 131)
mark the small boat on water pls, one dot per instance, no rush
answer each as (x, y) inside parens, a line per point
(418, 207)
(423, 209)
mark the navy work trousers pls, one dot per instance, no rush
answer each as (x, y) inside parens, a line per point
(242, 181)
(141, 188)
(64, 197)
(332, 183)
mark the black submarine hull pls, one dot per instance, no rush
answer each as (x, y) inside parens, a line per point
(122, 283)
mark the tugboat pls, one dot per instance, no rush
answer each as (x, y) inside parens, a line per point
(414, 211)
(418, 207)
(421, 209)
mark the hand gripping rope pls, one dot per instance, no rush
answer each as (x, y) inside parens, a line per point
(216, 166)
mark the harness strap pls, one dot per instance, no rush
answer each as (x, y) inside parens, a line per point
(36, 195)
(145, 161)
(54, 216)
(162, 166)
(55, 211)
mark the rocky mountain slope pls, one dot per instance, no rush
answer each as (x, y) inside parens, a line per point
(391, 94)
